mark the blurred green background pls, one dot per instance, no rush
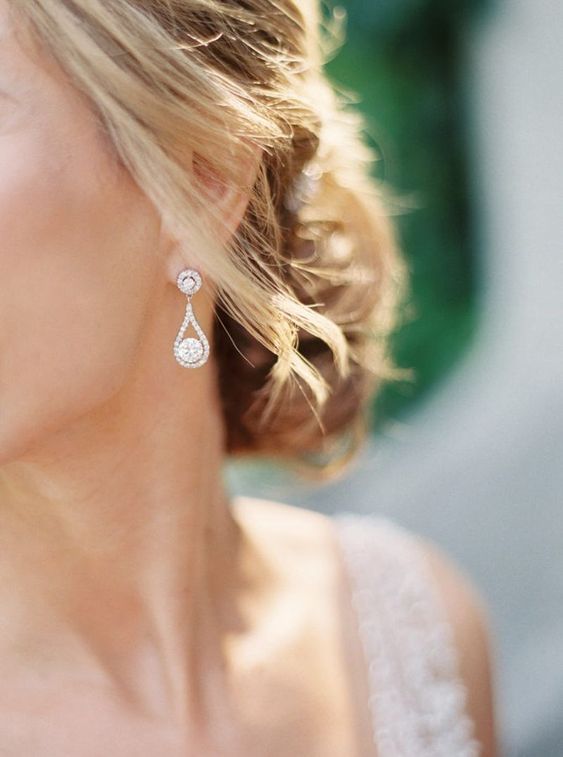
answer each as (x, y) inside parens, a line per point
(403, 60)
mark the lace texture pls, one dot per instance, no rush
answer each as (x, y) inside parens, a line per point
(417, 698)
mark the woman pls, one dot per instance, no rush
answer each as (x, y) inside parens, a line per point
(196, 264)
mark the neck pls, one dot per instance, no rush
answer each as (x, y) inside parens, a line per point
(115, 538)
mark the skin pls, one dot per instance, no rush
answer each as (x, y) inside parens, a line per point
(136, 598)
(143, 610)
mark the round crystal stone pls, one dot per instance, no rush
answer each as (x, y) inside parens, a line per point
(188, 281)
(191, 350)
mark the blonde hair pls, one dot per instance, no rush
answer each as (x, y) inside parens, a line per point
(308, 289)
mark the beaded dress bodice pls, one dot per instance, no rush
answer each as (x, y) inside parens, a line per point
(417, 699)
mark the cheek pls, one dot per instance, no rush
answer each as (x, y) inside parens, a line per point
(77, 255)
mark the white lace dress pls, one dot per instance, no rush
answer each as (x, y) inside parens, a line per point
(417, 698)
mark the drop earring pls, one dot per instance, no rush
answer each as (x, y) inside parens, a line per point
(190, 352)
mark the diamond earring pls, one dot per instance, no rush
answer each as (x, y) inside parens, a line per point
(190, 352)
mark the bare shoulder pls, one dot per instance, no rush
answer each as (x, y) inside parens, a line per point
(301, 631)
(295, 535)
(272, 513)
(471, 626)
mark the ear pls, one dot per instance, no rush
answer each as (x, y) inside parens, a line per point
(231, 201)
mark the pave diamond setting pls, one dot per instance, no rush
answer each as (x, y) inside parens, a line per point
(190, 352)
(188, 281)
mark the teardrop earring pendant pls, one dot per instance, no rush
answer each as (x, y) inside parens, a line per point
(190, 352)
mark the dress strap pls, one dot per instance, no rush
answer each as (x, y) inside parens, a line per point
(417, 698)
